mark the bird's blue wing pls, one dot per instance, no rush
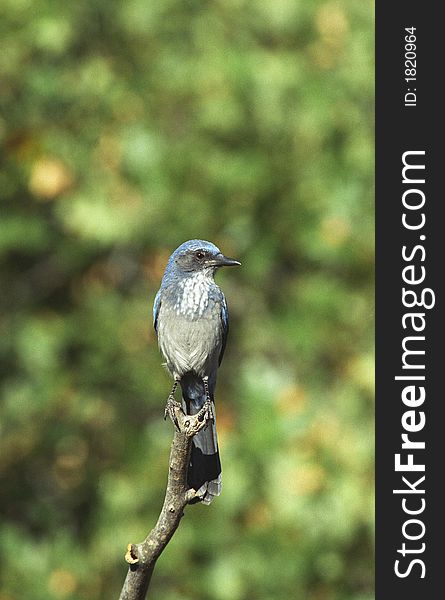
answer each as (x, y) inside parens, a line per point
(156, 307)
(225, 326)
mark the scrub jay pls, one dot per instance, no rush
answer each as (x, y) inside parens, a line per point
(191, 320)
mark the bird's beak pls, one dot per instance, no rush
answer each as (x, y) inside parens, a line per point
(223, 261)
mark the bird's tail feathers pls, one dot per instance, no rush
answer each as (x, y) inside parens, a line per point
(204, 474)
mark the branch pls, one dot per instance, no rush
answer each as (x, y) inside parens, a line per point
(142, 557)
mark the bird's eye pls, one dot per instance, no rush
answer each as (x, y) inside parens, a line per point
(199, 255)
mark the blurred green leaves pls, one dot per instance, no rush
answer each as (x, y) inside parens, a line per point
(127, 128)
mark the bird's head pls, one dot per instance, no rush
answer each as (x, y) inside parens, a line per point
(198, 256)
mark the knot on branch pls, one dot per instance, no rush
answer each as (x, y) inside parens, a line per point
(131, 556)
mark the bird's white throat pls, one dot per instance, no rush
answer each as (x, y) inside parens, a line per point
(193, 297)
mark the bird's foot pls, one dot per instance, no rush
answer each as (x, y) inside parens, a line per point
(173, 409)
(206, 412)
(191, 424)
(187, 424)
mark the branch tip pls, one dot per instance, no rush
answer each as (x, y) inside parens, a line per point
(190, 495)
(131, 555)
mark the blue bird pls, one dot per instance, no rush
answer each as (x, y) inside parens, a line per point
(191, 320)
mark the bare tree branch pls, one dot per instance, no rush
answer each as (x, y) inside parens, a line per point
(142, 557)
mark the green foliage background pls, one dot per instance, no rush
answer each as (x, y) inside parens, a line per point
(126, 129)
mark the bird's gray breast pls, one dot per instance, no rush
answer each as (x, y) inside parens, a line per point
(189, 326)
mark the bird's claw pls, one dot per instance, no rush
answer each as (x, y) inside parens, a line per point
(171, 409)
(191, 424)
(188, 424)
(206, 412)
